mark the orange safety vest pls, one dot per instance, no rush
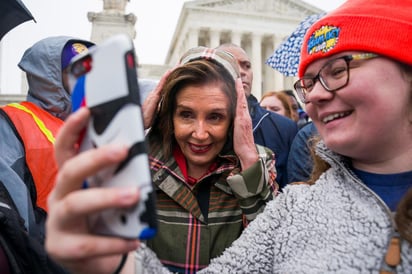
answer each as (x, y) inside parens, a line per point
(37, 129)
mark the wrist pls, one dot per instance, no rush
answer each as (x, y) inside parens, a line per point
(121, 264)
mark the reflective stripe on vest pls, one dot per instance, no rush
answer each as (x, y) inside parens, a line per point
(37, 128)
(39, 123)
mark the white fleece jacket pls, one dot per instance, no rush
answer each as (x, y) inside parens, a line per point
(337, 225)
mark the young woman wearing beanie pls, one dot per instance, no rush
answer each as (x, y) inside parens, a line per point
(356, 81)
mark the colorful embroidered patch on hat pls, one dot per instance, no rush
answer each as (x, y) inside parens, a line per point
(323, 39)
(79, 47)
(378, 26)
(70, 50)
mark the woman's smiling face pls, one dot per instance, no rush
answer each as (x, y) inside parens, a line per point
(201, 123)
(365, 119)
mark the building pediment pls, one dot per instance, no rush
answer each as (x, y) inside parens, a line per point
(258, 26)
(262, 7)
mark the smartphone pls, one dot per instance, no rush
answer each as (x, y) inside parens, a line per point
(104, 79)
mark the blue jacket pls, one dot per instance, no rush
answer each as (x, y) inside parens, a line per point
(275, 132)
(300, 162)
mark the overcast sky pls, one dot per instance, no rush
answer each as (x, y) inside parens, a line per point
(156, 21)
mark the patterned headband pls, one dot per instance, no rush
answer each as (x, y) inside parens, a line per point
(221, 57)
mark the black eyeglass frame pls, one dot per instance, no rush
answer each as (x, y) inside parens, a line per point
(301, 91)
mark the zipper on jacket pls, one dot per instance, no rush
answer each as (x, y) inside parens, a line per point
(388, 263)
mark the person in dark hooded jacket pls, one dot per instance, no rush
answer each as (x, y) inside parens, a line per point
(270, 129)
(27, 165)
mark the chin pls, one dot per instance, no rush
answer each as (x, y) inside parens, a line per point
(340, 146)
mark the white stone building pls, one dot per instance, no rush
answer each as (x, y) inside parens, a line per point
(258, 26)
(112, 20)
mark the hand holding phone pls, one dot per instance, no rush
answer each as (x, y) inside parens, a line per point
(104, 79)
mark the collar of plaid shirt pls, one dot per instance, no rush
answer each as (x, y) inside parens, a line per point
(181, 162)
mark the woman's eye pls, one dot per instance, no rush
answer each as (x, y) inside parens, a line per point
(215, 117)
(185, 114)
(308, 84)
(338, 71)
(275, 109)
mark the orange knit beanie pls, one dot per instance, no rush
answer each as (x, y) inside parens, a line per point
(379, 26)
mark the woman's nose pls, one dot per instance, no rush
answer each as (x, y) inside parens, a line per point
(200, 131)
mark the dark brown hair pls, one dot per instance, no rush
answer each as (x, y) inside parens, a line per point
(319, 165)
(403, 217)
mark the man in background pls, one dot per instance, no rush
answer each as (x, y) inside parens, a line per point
(269, 129)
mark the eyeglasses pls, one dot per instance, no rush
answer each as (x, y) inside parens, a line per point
(333, 76)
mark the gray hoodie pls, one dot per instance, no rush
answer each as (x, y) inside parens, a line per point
(42, 64)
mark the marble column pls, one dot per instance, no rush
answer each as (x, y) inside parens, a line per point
(214, 36)
(236, 38)
(192, 39)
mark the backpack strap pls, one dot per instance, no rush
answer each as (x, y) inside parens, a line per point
(393, 255)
